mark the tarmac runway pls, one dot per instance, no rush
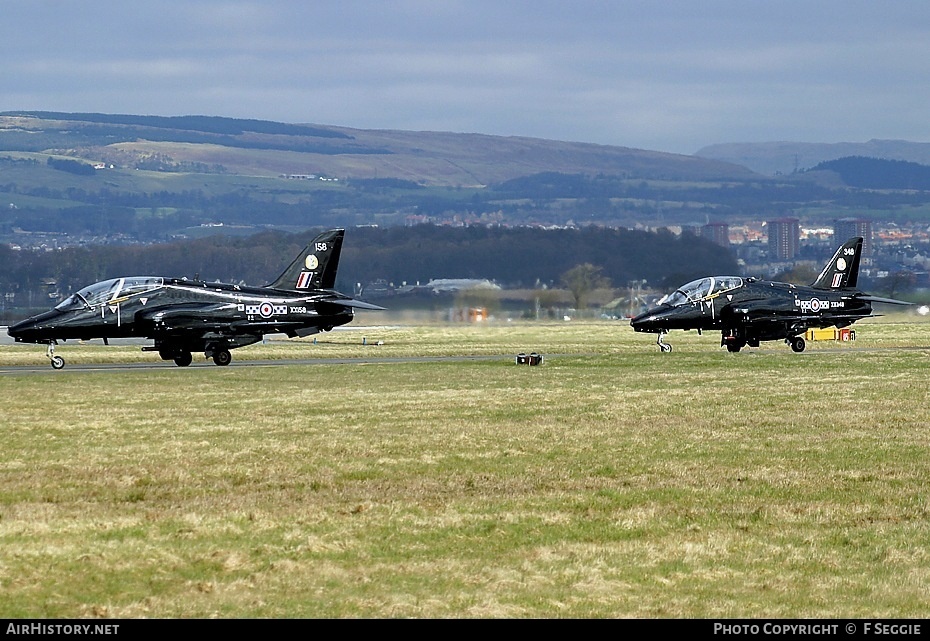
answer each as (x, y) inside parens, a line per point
(5, 338)
(42, 366)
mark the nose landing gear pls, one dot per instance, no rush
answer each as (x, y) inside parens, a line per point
(57, 362)
(665, 347)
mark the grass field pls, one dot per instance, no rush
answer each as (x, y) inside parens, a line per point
(612, 481)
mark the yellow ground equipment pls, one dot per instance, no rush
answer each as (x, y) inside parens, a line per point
(831, 334)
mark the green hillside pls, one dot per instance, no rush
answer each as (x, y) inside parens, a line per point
(70, 179)
(227, 145)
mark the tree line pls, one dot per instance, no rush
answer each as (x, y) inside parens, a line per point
(877, 173)
(512, 257)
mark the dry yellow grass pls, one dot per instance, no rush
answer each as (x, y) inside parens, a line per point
(613, 481)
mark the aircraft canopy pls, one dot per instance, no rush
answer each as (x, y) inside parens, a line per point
(112, 290)
(702, 288)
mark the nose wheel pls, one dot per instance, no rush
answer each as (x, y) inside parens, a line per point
(57, 362)
(665, 347)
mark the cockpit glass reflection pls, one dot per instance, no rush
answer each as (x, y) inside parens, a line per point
(110, 291)
(700, 289)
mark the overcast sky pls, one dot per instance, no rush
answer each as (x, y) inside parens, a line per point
(663, 75)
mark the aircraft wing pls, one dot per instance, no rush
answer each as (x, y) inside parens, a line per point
(807, 319)
(349, 302)
(879, 299)
(186, 312)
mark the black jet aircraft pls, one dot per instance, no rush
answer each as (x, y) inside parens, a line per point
(749, 310)
(184, 316)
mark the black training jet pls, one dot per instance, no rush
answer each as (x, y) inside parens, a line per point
(184, 316)
(748, 310)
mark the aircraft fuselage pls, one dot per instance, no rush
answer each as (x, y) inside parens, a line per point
(177, 306)
(183, 316)
(747, 310)
(757, 311)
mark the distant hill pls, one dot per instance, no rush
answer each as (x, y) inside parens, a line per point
(773, 158)
(261, 148)
(88, 178)
(877, 173)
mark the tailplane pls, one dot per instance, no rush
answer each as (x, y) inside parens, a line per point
(843, 269)
(315, 266)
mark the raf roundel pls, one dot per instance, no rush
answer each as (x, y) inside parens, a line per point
(312, 262)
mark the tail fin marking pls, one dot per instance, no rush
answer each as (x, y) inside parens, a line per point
(842, 271)
(315, 267)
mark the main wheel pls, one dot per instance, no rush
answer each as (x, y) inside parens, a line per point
(797, 344)
(734, 347)
(222, 357)
(665, 347)
(183, 359)
(57, 362)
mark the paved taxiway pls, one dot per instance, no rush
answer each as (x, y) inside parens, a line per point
(42, 366)
(114, 367)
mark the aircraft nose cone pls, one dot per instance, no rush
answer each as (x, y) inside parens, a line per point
(19, 330)
(652, 320)
(642, 322)
(31, 329)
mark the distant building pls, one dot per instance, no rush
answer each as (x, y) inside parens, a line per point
(846, 228)
(784, 238)
(455, 284)
(717, 232)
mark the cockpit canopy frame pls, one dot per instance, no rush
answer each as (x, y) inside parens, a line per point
(110, 292)
(701, 289)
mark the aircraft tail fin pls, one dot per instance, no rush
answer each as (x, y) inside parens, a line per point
(315, 266)
(843, 269)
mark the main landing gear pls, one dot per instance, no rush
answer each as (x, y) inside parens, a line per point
(222, 357)
(735, 342)
(180, 353)
(183, 358)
